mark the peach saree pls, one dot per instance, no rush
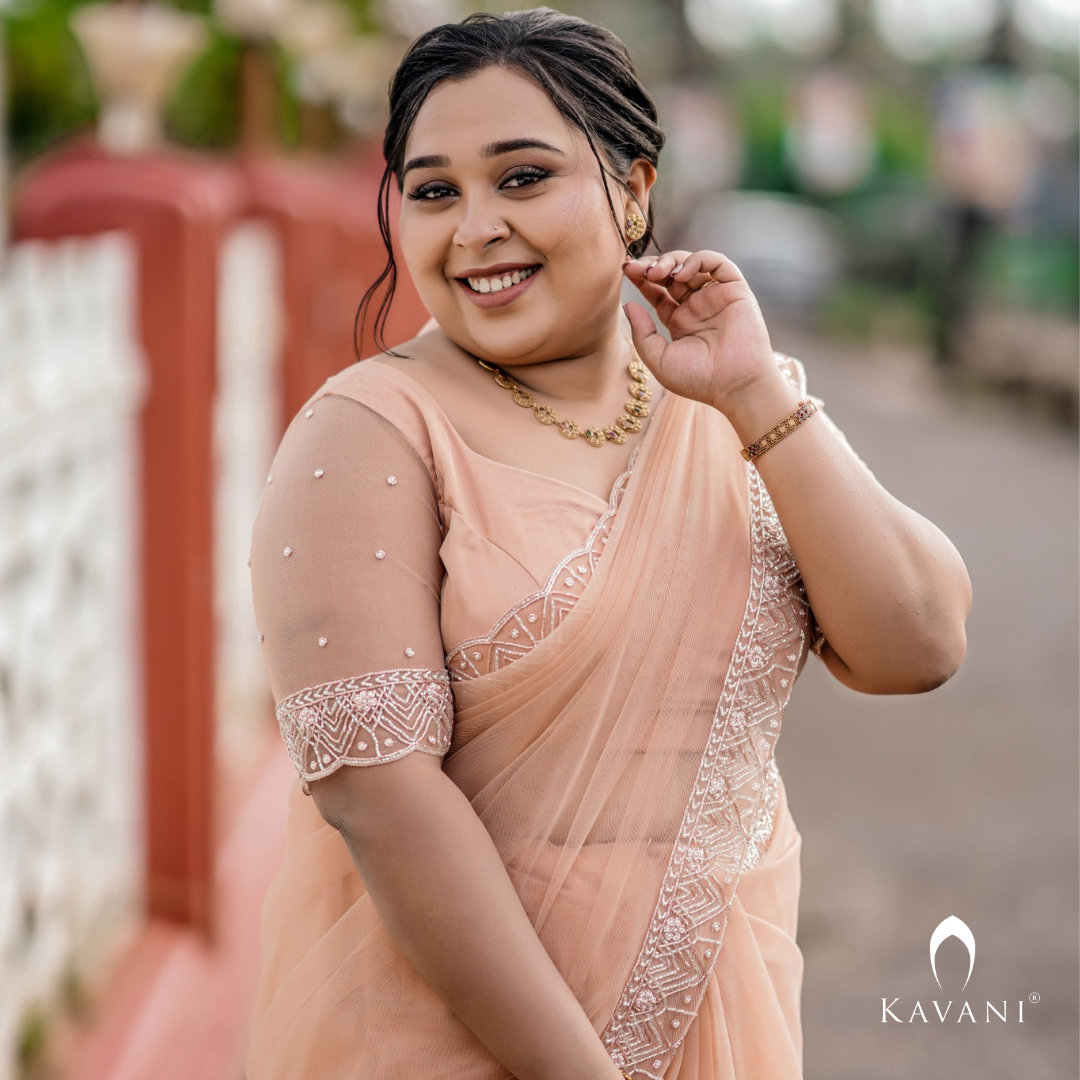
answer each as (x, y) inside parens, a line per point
(610, 707)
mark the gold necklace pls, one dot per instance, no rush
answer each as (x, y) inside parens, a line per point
(633, 413)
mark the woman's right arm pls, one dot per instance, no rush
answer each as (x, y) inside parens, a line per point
(346, 579)
(442, 892)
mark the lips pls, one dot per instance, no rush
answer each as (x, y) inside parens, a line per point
(499, 285)
(493, 283)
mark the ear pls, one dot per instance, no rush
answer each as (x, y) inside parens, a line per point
(640, 180)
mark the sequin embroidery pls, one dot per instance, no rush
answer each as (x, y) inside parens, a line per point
(532, 619)
(728, 822)
(355, 721)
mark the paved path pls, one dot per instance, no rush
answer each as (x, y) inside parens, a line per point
(961, 802)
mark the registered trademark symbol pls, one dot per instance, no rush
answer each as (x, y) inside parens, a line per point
(1033, 998)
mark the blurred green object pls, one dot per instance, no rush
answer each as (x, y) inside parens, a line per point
(868, 311)
(1031, 271)
(49, 93)
(762, 106)
(204, 110)
(904, 133)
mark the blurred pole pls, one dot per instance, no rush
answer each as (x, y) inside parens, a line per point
(260, 98)
(967, 226)
(177, 211)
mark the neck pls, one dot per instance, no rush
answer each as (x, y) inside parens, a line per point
(594, 374)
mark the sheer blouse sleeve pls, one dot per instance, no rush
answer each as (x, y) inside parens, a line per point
(346, 580)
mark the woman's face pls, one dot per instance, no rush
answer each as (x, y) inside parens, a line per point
(505, 226)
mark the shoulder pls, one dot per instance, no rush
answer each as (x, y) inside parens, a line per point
(381, 387)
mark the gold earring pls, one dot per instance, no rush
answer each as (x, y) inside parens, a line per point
(634, 226)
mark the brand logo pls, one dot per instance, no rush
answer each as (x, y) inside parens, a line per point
(949, 928)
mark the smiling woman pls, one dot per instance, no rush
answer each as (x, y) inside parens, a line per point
(565, 632)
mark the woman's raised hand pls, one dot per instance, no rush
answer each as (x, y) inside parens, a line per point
(719, 351)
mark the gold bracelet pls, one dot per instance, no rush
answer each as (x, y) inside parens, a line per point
(803, 413)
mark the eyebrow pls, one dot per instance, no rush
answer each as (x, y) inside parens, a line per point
(495, 149)
(508, 146)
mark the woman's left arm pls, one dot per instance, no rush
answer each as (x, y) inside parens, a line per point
(888, 589)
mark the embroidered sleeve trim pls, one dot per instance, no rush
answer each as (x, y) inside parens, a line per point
(728, 821)
(533, 618)
(367, 720)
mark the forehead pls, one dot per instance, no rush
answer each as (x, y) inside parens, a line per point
(461, 116)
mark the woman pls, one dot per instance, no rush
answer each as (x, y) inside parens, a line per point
(588, 869)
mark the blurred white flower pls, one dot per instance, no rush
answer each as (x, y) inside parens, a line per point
(411, 18)
(1054, 24)
(918, 30)
(314, 26)
(252, 18)
(799, 26)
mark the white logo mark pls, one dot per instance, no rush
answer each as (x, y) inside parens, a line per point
(947, 928)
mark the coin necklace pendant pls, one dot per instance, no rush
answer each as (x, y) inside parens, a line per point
(634, 411)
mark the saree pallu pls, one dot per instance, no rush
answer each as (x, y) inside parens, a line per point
(624, 768)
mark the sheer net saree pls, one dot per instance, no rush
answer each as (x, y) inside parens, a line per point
(615, 732)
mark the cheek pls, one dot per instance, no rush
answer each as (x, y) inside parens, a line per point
(585, 253)
(422, 242)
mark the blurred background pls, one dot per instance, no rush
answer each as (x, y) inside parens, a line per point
(189, 223)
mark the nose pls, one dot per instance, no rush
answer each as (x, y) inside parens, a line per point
(480, 224)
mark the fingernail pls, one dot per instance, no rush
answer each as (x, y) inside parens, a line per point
(677, 270)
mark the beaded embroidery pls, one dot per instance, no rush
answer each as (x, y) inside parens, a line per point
(532, 619)
(367, 720)
(728, 821)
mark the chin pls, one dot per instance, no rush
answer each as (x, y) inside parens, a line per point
(507, 336)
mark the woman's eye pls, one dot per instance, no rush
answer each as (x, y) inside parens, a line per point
(525, 178)
(431, 192)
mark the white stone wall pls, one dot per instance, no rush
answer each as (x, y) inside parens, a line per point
(71, 383)
(247, 414)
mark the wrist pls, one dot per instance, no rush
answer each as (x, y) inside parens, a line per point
(759, 404)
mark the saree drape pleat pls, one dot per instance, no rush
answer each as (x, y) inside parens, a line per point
(624, 769)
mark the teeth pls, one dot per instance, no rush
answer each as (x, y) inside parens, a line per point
(497, 284)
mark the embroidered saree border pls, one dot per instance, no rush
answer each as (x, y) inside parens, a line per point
(722, 833)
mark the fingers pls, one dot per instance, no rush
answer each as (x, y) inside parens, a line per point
(663, 303)
(708, 264)
(649, 343)
(682, 272)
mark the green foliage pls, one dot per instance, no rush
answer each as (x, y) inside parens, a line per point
(49, 93)
(203, 111)
(866, 311)
(1031, 271)
(763, 109)
(31, 1042)
(903, 132)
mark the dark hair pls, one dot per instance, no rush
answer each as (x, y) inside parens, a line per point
(585, 70)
